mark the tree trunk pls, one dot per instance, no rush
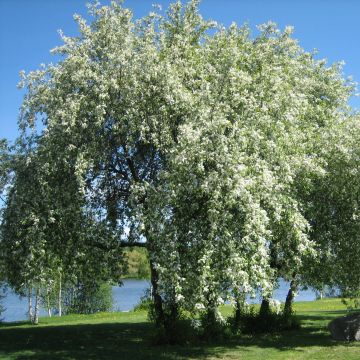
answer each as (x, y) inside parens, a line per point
(211, 317)
(158, 303)
(237, 318)
(239, 305)
(158, 306)
(265, 308)
(36, 314)
(288, 309)
(210, 323)
(30, 309)
(174, 312)
(48, 303)
(60, 296)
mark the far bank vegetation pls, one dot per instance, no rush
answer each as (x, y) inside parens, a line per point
(138, 266)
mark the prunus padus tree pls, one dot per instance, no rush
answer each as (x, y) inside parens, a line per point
(201, 142)
(116, 101)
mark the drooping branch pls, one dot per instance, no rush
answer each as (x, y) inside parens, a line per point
(122, 244)
(133, 244)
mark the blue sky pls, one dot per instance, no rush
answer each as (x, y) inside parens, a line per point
(28, 30)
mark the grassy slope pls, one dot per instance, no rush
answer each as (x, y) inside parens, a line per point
(127, 336)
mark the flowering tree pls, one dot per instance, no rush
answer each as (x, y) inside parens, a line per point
(25, 257)
(232, 202)
(202, 146)
(4, 156)
(113, 107)
(3, 181)
(333, 212)
(48, 238)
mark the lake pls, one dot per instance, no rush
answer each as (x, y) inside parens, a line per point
(126, 297)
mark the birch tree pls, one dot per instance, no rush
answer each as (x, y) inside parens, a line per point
(23, 245)
(48, 237)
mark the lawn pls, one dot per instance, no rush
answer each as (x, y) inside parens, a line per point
(128, 336)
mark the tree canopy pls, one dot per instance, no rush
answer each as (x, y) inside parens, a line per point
(222, 152)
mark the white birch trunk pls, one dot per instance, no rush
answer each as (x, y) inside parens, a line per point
(59, 299)
(30, 309)
(36, 315)
(48, 304)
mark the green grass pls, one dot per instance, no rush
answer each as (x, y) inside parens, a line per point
(128, 336)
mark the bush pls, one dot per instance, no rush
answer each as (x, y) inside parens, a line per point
(88, 298)
(250, 321)
(145, 302)
(174, 328)
(179, 333)
(212, 326)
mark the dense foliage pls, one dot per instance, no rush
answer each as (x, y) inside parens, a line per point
(233, 158)
(137, 260)
(88, 298)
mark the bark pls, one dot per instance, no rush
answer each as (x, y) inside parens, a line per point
(212, 330)
(30, 309)
(265, 307)
(36, 314)
(174, 312)
(158, 303)
(237, 313)
(158, 306)
(60, 297)
(211, 317)
(239, 304)
(133, 244)
(288, 309)
(48, 304)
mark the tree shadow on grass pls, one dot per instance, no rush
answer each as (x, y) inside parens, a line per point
(88, 341)
(13, 324)
(133, 341)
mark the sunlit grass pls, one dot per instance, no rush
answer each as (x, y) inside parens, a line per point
(129, 335)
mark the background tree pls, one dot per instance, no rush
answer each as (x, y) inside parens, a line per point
(333, 210)
(4, 175)
(49, 238)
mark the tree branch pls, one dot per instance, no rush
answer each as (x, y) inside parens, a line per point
(133, 244)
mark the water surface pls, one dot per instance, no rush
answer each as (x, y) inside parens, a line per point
(126, 297)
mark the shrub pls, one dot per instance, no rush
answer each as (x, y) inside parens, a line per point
(249, 321)
(145, 302)
(89, 298)
(210, 325)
